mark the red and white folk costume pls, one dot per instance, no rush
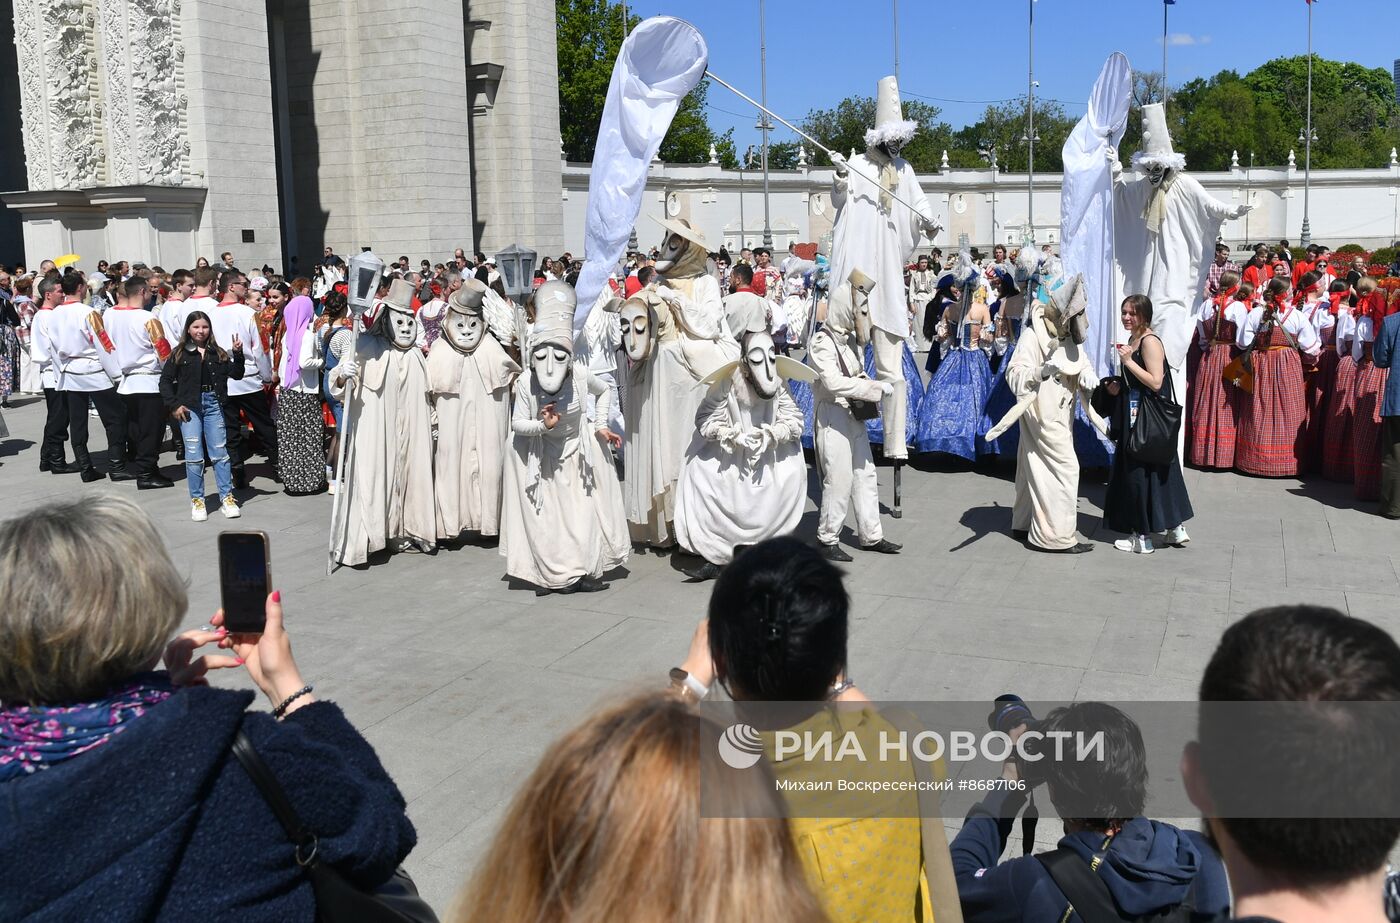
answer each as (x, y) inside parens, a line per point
(1270, 434)
(1215, 406)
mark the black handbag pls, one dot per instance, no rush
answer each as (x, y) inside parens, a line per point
(861, 410)
(337, 899)
(1153, 436)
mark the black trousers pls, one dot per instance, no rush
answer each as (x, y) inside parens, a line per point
(145, 424)
(259, 413)
(55, 424)
(111, 411)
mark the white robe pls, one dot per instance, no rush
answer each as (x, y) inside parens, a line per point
(842, 443)
(1047, 467)
(388, 495)
(877, 242)
(660, 399)
(471, 396)
(561, 505)
(725, 498)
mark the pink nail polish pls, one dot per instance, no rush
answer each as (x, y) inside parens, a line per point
(277, 596)
(239, 661)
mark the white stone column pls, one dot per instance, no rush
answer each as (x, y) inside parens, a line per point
(60, 99)
(145, 113)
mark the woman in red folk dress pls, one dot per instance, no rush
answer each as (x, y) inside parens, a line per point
(1270, 433)
(1316, 305)
(1370, 384)
(1215, 406)
(1341, 405)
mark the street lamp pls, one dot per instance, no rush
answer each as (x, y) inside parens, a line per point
(364, 272)
(989, 151)
(1248, 195)
(1029, 136)
(764, 125)
(517, 267)
(1029, 139)
(744, 164)
(1306, 137)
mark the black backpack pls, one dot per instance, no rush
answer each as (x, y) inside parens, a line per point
(1088, 896)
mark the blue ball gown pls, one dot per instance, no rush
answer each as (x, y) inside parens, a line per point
(949, 418)
(801, 392)
(913, 381)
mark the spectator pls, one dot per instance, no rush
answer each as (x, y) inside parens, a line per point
(1298, 870)
(300, 423)
(133, 809)
(1384, 353)
(1258, 271)
(777, 632)
(225, 261)
(1147, 868)
(1285, 253)
(333, 336)
(1143, 497)
(10, 352)
(1357, 272)
(194, 386)
(608, 828)
(1221, 265)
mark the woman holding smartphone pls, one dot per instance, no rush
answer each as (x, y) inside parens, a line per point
(194, 386)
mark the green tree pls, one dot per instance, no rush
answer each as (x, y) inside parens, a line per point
(690, 137)
(842, 128)
(1002, 129)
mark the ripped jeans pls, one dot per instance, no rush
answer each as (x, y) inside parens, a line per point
(204, 430)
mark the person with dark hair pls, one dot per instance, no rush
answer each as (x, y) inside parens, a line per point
(141, 344)
(743, 307)
(1146, 869)
(1299, 869)
(1215, 405)
(87, 367)
(51, 454)
(1269, 441)
(194, 387)
(1143, 497)
(1384, 353)
(232, 318)
(779, 620)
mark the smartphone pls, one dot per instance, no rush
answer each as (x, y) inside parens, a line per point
(245, 580)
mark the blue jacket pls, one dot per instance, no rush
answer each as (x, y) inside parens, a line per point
(163, 823)
(1385, 351)
(1151, 866)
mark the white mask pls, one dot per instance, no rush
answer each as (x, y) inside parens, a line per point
(671, 251)
(403, 328)
(761, 364)
(860, 305)
(551, 364)
(464, 330)
(636, 332)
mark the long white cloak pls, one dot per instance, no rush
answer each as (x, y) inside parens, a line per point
(877, 242)
(471, 394)
(389, 492)
(1047, 467)
(725, 499)
(561, 505)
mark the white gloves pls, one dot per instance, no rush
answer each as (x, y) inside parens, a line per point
(667, 293)
(931, 229)
(346, 372)
(839, 162)
(1054, 365)
(1088, 379)
(1239, 210)
(886, 388)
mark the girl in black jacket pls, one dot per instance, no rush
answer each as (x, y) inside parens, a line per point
(194, 386)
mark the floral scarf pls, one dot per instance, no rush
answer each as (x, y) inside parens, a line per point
(34, 737)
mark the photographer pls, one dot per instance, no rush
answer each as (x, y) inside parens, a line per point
(1138, 869)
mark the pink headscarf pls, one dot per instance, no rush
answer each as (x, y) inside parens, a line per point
(296, 318)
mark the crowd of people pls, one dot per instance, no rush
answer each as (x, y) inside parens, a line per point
(618, 821)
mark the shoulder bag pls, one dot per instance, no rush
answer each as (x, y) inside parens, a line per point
(861, 410)
(1089, 896)
(337, 899)
(1153, 436)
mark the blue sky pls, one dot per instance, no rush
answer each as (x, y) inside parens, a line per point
(820, 51)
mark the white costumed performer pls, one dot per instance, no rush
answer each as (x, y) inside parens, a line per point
(562, 520)
(1165, 226)
(1047, 371)
(471, 377)
(744, 478)
(836, 354)
(877, 233)
(389, 457)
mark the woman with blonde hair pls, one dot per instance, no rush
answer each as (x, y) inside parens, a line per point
(608, 829)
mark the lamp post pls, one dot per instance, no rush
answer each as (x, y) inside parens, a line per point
(1248, 194)
(363, 272)
(517, 267)
(764, 125)
(989, 151)
(1029, 136)
(1308, 137)
(744, 163)
(895, 35)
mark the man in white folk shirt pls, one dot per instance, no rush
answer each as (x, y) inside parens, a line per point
(55, 403)
(231, 317)
(141, 346)
(83, 356)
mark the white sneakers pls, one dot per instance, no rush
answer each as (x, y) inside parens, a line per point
(1176, 537)
(197, 511)
(1138, 544)
(230, 508)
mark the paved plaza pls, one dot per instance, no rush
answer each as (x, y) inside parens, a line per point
(460, 678)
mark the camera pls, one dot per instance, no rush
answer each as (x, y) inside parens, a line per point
(1011, 711)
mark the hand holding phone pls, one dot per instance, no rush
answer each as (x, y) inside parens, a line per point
(245, 579)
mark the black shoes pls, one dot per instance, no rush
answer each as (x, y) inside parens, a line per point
(121, 474)
(883, 546)
(1021, 535)
(1077, 548)
(835, 553)
(240, 477)
(58, 466)
(153, 482)
(90, 474)
(706, 571)
(45, 464)
(586, 584)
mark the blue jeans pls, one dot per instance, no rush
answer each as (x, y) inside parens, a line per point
(205, 429)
